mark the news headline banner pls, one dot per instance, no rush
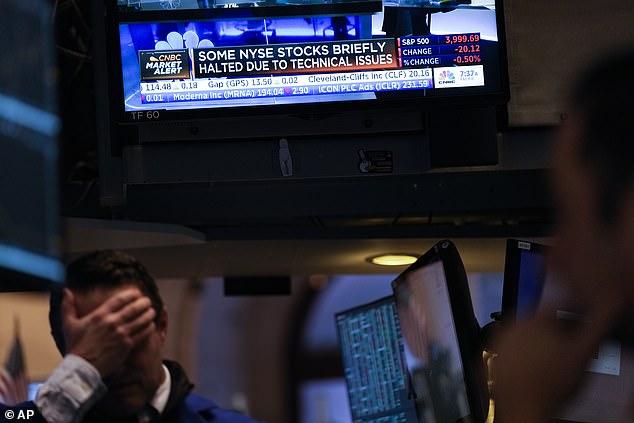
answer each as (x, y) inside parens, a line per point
(271, 59)
(295, 58)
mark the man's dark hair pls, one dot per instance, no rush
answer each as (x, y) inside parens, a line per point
(105, 269)
(605, 98)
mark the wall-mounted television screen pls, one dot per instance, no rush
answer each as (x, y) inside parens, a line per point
(175, 59)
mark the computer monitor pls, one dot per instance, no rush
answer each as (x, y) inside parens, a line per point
(374, 363)
(441, 338)
(30, 227)
(524, 279)
(530, 287)
(172, 59)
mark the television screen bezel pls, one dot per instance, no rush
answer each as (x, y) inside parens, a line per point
(465, 323)
(107, 42)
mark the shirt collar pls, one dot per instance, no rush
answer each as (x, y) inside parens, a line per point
(159, 401)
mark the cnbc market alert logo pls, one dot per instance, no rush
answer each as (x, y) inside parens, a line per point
(164, 64)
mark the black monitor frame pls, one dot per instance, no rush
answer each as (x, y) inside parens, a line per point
(512, 269)
(465, 324)
(107, 59)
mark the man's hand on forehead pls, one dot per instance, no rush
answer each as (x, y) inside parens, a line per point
(106, 335)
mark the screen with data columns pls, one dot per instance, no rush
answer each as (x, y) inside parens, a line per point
(374, 365)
